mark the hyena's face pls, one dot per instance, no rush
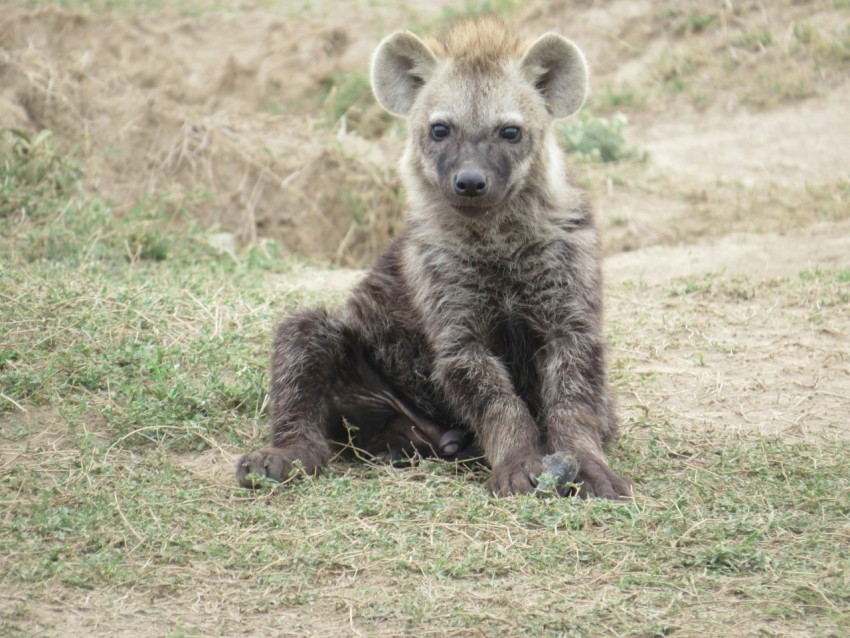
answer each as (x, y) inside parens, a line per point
(476, 138)
(478, 107)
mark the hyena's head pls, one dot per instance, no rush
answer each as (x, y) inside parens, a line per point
(479, 107)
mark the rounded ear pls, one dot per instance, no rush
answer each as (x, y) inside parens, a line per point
(400, 67)
(556, 67)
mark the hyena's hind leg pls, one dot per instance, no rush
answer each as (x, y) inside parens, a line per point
(308, 352)
(402, 438)
(388, 425)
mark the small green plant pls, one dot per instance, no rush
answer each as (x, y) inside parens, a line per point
(599, 139)
(697, 22)
(804, 33)
(349, 96)
(676, 21)
(839, 274)
(473, 7)
(611, 99)
(33, 174)
(341, 91)
(668, 13)
(756, 41)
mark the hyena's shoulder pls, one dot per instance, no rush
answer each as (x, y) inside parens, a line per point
(385, 293)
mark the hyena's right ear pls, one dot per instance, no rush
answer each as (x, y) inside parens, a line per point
(556, 68)
(401, 66)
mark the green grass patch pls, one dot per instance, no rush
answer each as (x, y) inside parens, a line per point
(751, 525)
(347, 97)
(473, 7)
(340, 92)
(612, 100)
(133, 318)
(599, 139)
(841, 274)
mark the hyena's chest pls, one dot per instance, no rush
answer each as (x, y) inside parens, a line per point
(510, 306)
(514, 294)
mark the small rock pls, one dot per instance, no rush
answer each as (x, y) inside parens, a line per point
(225, 242)
(560, 471)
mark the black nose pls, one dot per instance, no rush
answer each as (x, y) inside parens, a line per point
(470, 183)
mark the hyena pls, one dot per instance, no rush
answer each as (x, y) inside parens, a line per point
(484, 317)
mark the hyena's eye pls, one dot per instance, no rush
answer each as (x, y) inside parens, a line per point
(511, 133)
(439, 131)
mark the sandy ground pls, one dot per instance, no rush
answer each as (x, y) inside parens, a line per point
(742, 354)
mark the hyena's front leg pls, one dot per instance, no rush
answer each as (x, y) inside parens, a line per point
(308, 349)
(479, 389)
(578, 410)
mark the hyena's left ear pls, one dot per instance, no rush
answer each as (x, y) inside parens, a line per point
(401, 66)
(556, 67)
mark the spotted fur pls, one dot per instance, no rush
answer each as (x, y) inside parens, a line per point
(484, 317)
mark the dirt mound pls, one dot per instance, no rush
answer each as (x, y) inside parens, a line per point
(208, 113)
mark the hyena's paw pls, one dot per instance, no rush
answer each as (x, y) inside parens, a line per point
(270, 462)
(516, 475)
(597, 479)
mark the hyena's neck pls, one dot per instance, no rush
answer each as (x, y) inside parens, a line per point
(545, 203)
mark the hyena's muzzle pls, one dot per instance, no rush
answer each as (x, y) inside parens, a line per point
(474, 176)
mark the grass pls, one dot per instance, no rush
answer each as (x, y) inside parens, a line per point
(472, 7)
(348, 96)
(611, 100)
(423, 547)
(103, 312)
(131, 376)
(141, 7)
(745, 52)
(447, 532)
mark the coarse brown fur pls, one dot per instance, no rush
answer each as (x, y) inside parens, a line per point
(484, 317)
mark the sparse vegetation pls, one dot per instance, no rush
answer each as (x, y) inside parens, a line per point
(593, 139)
(348, 96)
(614, 99)
(756, 40)
(451, 11)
